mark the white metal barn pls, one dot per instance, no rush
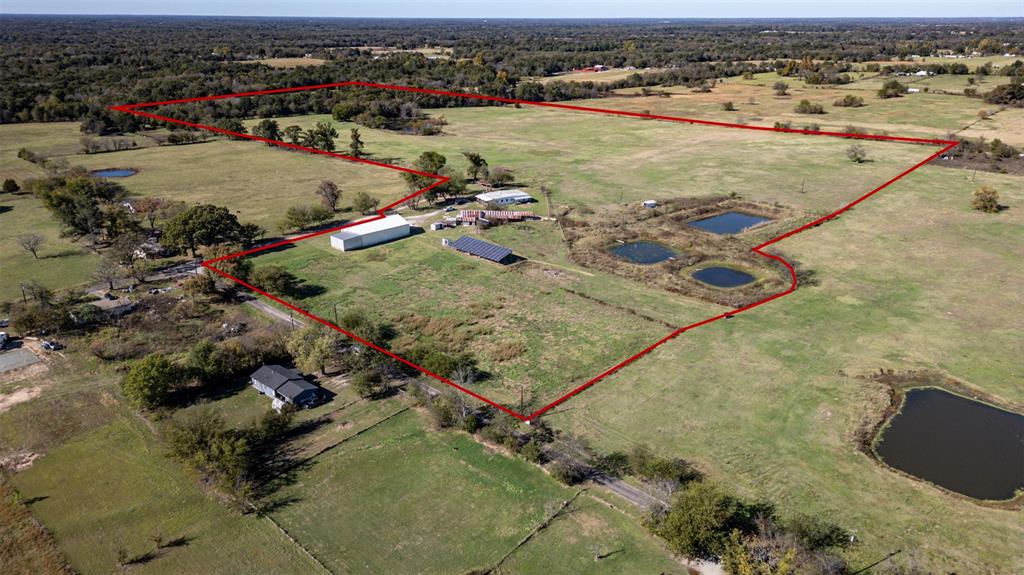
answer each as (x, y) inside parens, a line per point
(371, 233)
(504, 197)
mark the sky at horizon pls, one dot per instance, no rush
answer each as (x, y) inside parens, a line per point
(531, 8)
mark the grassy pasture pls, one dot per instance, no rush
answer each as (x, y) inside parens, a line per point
(372, 505)
(770, 401)
(556, 339)
(563, 339)
(609, 159)
(61, 262)
(602, 77)
(114, 488)
(256, 181)
(920, 114)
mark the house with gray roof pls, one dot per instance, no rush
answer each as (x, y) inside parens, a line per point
(285, 385)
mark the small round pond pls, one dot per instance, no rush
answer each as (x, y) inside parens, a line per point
(642, 252)
(963, 445)
(728, 222)
(114, 173)
(722, 277)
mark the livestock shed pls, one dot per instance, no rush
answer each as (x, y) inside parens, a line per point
(481, 249)
(285, 385)
(371, 233)
(470, 217)
(504, 197)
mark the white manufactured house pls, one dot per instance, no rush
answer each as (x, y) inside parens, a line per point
(504, 197)
(371, 233)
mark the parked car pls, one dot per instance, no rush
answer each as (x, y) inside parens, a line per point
(449, 208)
(5, 322)
(52, 345)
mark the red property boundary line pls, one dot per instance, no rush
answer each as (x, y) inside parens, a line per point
(135, 109)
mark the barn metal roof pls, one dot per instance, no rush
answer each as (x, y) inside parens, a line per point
(479, 248)
(371, 225)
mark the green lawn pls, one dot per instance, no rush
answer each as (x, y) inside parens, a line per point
(114, 488)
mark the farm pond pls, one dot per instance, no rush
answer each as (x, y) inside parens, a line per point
(722, 277)
(642, 252)
(728, 222)
(966, 446)
(114, 173)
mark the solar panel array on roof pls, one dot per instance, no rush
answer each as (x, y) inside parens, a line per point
(488, 251)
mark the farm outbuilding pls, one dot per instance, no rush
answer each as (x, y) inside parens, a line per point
(371, 233)
(480, 249)
(504, 197)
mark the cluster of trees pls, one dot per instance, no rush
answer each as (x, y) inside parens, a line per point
(808, 107)
(53, 69)
(704, 521)
(815, 71)
(238, 460)
(435, 163)
(1007, 94)
(892, 89)
(849, 101)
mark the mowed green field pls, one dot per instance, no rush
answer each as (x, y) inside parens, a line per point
(399, 499)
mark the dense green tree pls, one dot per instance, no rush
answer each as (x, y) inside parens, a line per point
(267, 129)
(202, 225)
(294, 134)
(321, 136)
(477, 164)
(313, 348)
(700, 520)
(10, 186)
(149, 382)
(274, 279)
(355, 144)
(892, 89)
(364, 203)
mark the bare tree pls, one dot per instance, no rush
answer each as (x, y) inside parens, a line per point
(31, 243)
(107, 271)
(465, 375)
(329, 194)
